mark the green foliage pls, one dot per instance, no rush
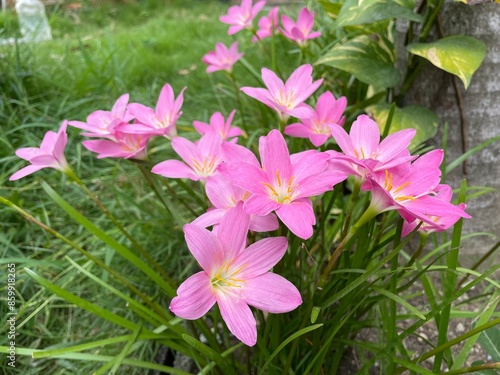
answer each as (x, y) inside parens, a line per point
(458, 54)
(82, 309)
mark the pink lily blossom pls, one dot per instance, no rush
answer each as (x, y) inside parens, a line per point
(124, 145)
(222, 58)
(300, 32)
(217, 123)
(363, 150)
(328, 112)
(284, 183)
(241, 16)
(50, 154)
(443, 193)
(160, 121)
(224, 195)
(201, 158)
(410, 189)
(103, 123)
(268, 25)
(234, 277)
(287, 99)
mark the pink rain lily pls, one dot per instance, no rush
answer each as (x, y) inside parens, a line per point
(268, 25)
(234, 277)
(217, 124)
(284, 183)
(222, 58)
(103, 123)
(443, 193)
(50, 154)
(160, 121)
(363, 150)
(241, 17)
(124, 145)
(300, 32)
(202, 158)
(224, 195)
(328, 112)
(287, 98)
(410, 189)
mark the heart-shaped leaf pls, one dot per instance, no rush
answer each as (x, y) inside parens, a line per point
(366, 59)
(458, 54)
(355, 12)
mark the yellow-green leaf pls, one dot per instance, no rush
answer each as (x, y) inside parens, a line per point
(458, 54)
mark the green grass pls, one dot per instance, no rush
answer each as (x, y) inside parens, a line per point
(97, 54)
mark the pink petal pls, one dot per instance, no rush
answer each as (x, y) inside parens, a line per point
(272, 81)
(266, 223)
(301, 111)
(274, 156)
(210, 143)
(318, 139)
(244, 175)
(260, 204)
(319, 183)
(165, 101)
(210, 218)
(260, 257)
(174, 169)
(25, 171)
(186, 149)
(238, 317)
(205, 247)
(297, 130)
(194, 297)
(299, 217)
(221, 192)
(28, 153)
(201, 127)
(238, 154)
(365, 136)
(308, 163)
(394, 144)
(272, 293)
(342, 139)
(233, 231)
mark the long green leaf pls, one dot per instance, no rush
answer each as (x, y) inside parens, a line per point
(399, 300)
(287, 341)
(110, 241)
(490, 342)
(455, 163)
(356, 12)
(211, 354)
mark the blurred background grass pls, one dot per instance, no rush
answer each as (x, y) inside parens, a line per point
(100, 51)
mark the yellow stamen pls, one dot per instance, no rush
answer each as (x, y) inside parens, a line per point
(402, 186)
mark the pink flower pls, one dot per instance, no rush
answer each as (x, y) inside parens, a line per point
(241, 17)
(202, 158)
(222, 58)
(268, 25)
(410, 189)
(234, 277)
(328, 112)
(443, 193)
(363, 150)
(160, 121)
(217, 124)
(50, 154)
(103, 123)
(284, 183)
(287, 98)
(300, 32)
(224, 195)
(124, 145)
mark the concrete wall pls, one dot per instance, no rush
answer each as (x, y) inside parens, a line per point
(481, 104)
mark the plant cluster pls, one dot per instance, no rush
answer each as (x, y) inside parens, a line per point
(316, 229)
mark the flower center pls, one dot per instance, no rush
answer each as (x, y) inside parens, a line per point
(279, 191)
(205, 167)
(226, 276)
(388, 185)
(286, 98)
(320, 128)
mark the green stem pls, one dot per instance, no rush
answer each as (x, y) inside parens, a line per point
(232, 78)
(369, 214)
